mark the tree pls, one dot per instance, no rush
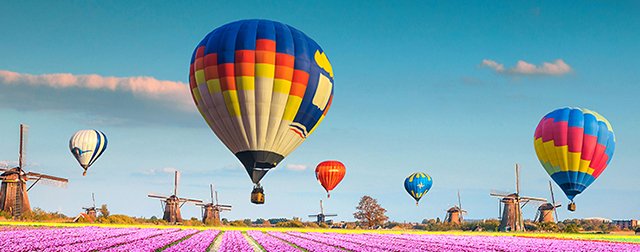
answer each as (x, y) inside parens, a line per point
(104, 211)
(370, 213)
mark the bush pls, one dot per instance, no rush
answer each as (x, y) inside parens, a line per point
(237, 223)
(291, 223)
(117, 219)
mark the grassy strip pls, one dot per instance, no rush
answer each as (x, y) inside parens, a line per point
(176, 242)
(253, 242)
(213, 243)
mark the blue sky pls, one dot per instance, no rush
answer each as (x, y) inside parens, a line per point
(419, 87)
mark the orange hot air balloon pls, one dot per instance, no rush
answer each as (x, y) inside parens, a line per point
(329, 174)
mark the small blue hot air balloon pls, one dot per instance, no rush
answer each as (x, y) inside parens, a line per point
(417, 185)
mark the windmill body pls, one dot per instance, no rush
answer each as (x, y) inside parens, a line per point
(322, 217)
(13, 190)
(455, 213)
(511, 218)
(211, 211)
(173, 203)
(548, 210)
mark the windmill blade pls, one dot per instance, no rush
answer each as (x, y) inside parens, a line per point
(201, 204)
(175, 184)
(48, 177)
(494, 191)
(190, 200)
(226, 206)
(517, 179)
(93, 197)
(459, 207)
(24, 129)
(313, 215)
(330, 215)
(157, 196)
(543, 200)
(553, 200)
(211, 186)
(501, 195)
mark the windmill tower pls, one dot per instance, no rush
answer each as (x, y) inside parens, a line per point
(211, 211)
(512, 204)
(173, 203)
(454, 214)
(13, 191)
(321, 217)
(547, 210)
(91, 211)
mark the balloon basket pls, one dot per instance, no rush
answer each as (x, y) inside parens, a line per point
(572, 207)
(257, 195)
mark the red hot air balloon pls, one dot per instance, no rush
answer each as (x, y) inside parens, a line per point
(329, 174)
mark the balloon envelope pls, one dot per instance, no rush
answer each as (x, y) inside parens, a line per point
(329, 174)
(263, 87)
(87, 146)
(417, 185)
(574, 145)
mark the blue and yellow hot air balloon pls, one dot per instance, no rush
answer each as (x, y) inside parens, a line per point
(574, 146)
(417, 185)
(263, 87)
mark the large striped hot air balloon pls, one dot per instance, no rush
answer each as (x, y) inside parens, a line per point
(329, 174)
(87, 146)
(574, 146)
(263, 87)
(417, 185)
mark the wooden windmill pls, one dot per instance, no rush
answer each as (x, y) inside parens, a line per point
(13, 191)
(547, 210)
(321, 217)
(91, 211)
(173, 203)
(211, 211)
(454, 214)
(513, 203)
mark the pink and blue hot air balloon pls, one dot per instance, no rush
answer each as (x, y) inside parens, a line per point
(417, 185)
(574, 146)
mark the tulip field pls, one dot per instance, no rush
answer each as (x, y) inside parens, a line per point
(171, 239)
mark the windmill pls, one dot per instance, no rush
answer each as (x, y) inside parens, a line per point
(211, 211)
(91, 211)
(321, 217)
(513, 203)
(173, 203)
(544, 210)
(13, 191)
(454, 214)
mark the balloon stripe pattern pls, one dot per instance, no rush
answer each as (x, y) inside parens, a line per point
(574, 145)
(87, 146)
(417, 185)
(261, 85)
(329, 174)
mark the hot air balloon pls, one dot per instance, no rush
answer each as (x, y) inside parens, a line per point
(574, 145)
(263, 87)
(417, 185)
(87, 146)
(329, 174)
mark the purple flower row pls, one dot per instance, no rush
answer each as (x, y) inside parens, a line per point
(199, 242)
(309, 245)
(234, 241)
(140, 234)
(270, 243)
(153, 243)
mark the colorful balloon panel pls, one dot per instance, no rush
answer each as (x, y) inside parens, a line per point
(574, 145)
(87, 146)
(329, 174)
(417, 185)
(263, 87)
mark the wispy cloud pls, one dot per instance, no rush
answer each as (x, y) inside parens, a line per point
(106, 99)
(155, 171)
(296, 167)
(555, 68)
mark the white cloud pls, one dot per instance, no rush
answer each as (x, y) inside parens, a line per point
(555, 68)
(154, 171)
(100, 99)
(296, 167)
